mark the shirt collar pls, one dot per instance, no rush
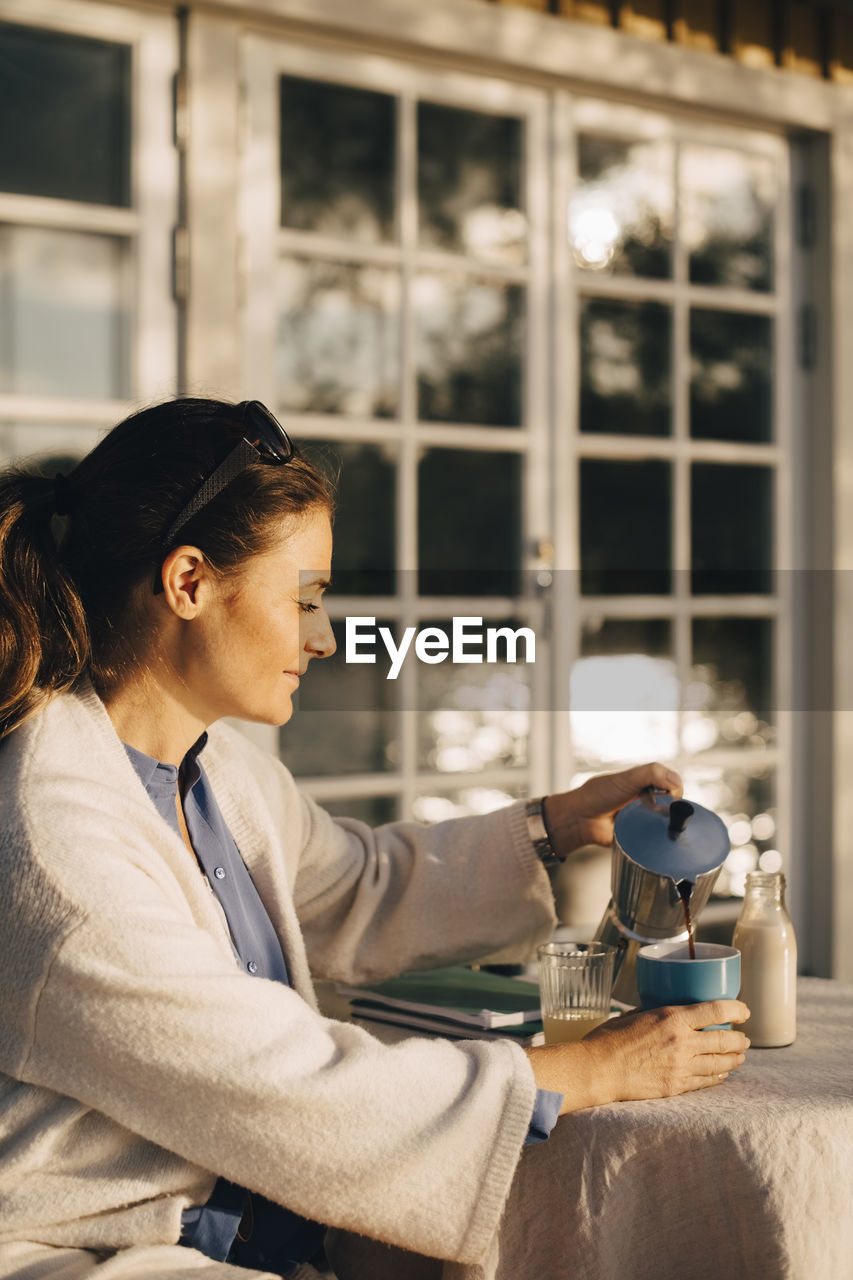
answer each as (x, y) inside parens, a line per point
(155, 774)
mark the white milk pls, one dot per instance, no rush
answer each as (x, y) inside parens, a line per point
(768, 961)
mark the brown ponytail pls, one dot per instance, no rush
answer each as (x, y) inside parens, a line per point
(70, 608)
(44, 637)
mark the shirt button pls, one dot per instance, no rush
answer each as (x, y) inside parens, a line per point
(252, 966)
(219, 872)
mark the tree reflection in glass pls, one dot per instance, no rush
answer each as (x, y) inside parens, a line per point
(731, 524)
(337, 159)
(473, 715)
(469, 522)
(731, 366)
(345, 720)
(338, 338)
(727, 201)
(621, 215)
(624, 693)
(729, 695)
(469, 183)
(468, 349)
(438, 806)
(626, 367)
(365, 515)
(625, 524)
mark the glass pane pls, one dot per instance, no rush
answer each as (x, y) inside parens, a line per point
(745, 799)
(374, 810)
(338, 338)
(468, 349)
(727, 202)
(625, 523)
(621, 215)
(626, 367)
(437, 807)
(344, 721)
(65, 107)
(469, 183)
(363, 558)
(731, 369)
(64, 322)
(624, 692)
(474, 715)
(337, 159)
(469, 523)
(729, 698)
(732, 528)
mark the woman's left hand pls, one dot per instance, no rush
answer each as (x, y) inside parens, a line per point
(585, 815)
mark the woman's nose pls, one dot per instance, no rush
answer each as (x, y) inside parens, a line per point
(320, 641)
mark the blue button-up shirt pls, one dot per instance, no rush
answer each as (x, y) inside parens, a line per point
(280, 1239)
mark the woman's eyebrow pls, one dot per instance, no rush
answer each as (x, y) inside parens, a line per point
(323, 583)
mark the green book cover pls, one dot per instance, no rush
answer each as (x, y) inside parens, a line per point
(466, 997)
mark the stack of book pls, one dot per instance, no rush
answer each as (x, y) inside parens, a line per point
(459, 1002)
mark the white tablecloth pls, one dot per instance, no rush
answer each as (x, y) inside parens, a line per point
(751, 1180)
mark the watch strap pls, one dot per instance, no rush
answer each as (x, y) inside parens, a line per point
(537, 830)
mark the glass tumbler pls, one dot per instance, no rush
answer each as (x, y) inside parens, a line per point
(575, 980)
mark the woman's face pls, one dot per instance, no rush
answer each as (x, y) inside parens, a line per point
(259, 630)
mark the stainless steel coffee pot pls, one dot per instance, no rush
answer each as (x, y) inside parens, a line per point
(665, 851)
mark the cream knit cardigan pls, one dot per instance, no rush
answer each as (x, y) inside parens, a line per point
(138, 1061)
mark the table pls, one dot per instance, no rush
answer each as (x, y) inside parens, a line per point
(751, 1180)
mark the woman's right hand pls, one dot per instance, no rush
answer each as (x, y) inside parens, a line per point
(653, 1054)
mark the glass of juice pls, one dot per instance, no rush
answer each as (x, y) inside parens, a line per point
(575, 980)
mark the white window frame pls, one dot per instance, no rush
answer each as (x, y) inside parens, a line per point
(147, 223)
(575, 114)
(538, 49)
(265, 60)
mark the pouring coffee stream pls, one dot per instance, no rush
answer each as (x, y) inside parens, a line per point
(680, 812)
(667, 855)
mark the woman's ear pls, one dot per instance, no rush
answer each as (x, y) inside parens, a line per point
(186, 576)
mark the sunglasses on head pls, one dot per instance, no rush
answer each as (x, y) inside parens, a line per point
(264, 439)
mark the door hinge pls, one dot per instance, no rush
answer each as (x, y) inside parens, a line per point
(806, 335)
(180, 264)
(180, 111)
(805, 215)
(244, 117)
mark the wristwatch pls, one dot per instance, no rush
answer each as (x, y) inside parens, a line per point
(539, 834)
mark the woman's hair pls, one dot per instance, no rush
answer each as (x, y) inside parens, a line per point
(67, 594)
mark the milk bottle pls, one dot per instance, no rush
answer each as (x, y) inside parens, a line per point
(764, 936)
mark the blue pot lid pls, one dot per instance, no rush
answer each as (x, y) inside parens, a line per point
(674, 838)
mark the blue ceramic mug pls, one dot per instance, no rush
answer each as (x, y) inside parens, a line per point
(667, 975)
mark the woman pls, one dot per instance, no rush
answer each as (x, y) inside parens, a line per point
(170, 1096)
